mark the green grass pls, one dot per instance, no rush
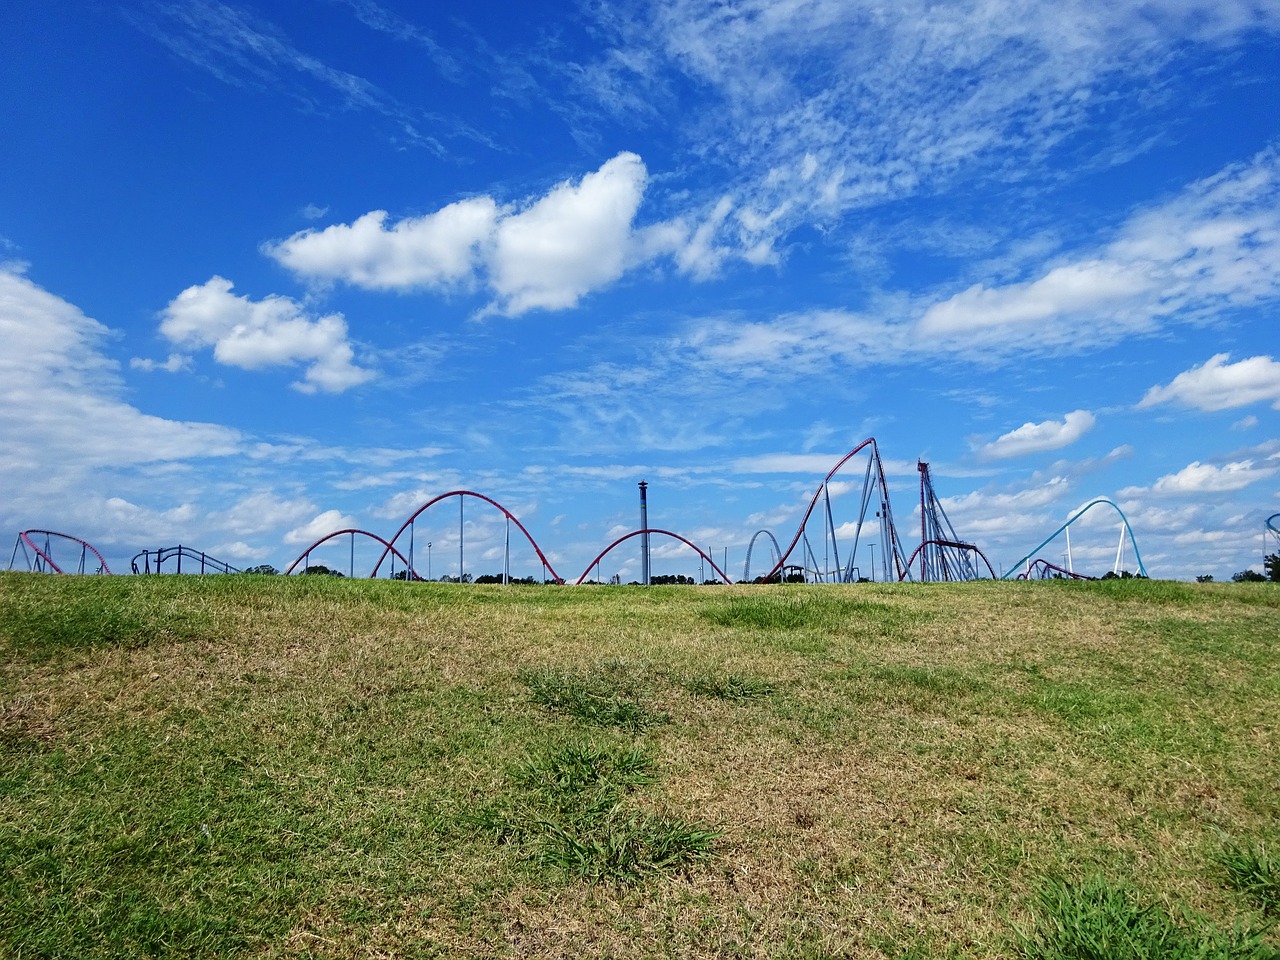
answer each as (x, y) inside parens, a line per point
(275, 767)
(1253, 870)
(1099, 920)
(601, 699)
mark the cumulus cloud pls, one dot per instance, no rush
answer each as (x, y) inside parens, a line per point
(1199, 477)
(1039, 437)
(1219, 385)
(59, 396)
(575, 239)
(546, 254)
(436, 250)
(331, 521)
(274, 331)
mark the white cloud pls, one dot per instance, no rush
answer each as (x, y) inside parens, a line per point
(1199, 477)
(1219, 385)
(550, 253)
(59, 396)
(1070, 289)
(437, 250)
(1245, 423)
(1212, 248)
(575, 239)
(331, 521)
(1039, 437)
(264, 511)
(826, 106)
(176, 363)
(271, 332)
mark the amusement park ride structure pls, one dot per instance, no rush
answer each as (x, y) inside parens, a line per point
(942, 555)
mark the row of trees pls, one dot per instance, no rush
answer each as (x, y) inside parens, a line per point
(1270, 572)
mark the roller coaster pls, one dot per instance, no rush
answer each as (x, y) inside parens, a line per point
(821, 551)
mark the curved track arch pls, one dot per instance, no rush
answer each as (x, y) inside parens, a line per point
(43, 557)
(746, 566)
(1142, 570)
(958, 545)
(1273, 524)
(354, 533)
(479, 496)
(900, 569)
(666, 533)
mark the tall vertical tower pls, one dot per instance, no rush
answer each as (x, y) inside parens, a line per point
(644, 537)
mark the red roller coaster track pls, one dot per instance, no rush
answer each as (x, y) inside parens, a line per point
(901, 569)
(354, 533)
(666, 533)
(43, 556)
(479, 496)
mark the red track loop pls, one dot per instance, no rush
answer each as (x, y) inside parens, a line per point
(665, 533)
(362, 533)
(479, 496)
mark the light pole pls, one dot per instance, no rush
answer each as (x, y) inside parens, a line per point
(428, 559)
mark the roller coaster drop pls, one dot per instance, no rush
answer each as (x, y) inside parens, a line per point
(942, 554)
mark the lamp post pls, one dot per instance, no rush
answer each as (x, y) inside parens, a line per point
(428, 559)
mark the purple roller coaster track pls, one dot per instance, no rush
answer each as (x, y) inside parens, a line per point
(942, 555)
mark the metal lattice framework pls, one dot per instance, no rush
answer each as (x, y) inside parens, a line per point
(874, 487)
(943, 555)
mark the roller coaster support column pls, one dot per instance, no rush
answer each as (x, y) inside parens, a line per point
(644, 539)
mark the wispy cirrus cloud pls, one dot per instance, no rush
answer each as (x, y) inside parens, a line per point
(1196, 257)
(1213, 248)
(819, 107)
(244, 50)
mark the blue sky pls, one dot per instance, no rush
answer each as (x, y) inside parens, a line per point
(269, 270)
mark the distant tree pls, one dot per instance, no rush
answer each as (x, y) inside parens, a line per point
(1205, 578)
(1248, 576)
(1271, 564)
(320, 569)
(263, 569)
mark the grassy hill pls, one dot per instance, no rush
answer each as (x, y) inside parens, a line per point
(269, 767)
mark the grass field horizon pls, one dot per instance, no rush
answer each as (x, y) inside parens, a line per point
(273, 767)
